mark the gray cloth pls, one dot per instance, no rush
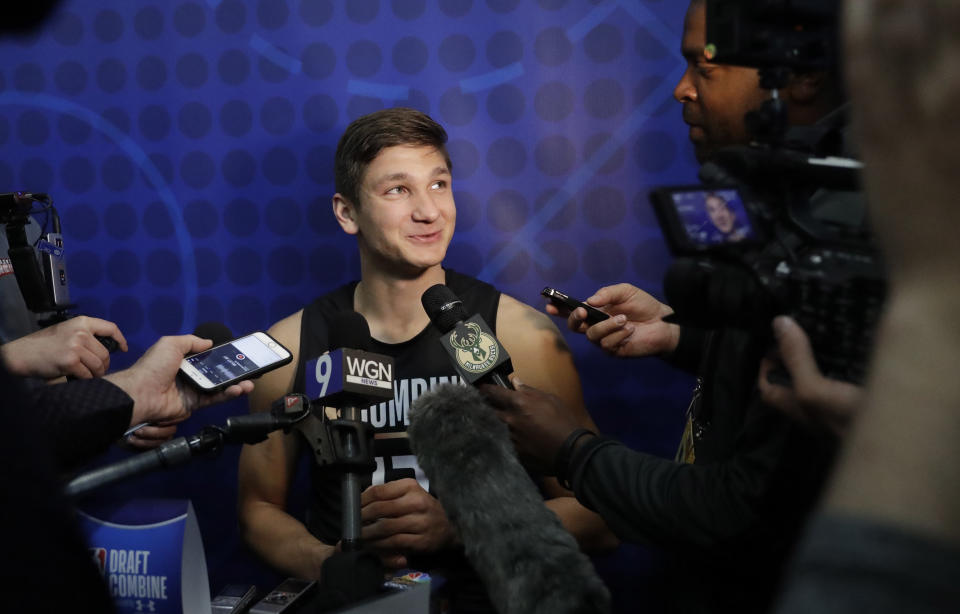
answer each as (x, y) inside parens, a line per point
(849, 564)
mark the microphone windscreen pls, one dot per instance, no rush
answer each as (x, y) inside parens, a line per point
(523, 554)
(349, 329)
(218, 332)
(443, 307)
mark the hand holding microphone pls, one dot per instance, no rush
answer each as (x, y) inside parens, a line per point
(539, 423)
(527, 560)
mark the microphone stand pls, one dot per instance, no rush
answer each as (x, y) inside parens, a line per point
(174, 452)
(252, 428)
(345, 445)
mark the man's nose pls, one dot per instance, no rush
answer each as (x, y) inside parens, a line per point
(685, 90)
(425, 209)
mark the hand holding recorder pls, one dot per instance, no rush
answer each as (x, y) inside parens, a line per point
(634, 326)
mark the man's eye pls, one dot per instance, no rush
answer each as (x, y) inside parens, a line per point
(396, 190)
(438, 185)
(705, 70)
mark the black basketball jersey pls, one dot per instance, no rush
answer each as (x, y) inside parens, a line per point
(420, 364)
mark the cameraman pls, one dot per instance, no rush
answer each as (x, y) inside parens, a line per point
(729, 509)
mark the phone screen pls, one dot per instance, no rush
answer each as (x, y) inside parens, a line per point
(234, 360)
(712, 217)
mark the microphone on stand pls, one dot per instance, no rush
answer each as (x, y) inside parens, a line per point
(347, 378)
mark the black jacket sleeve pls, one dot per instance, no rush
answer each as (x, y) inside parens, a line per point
(49, 560)
(740, 500)
(80, 418)
(755, 477)
(689, 351)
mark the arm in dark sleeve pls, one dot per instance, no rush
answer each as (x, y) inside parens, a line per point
(757, 493)
(689, 351)
(81, 418)
(38, 527)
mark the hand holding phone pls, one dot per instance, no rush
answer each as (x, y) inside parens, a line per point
(234, 361)
(564, 301)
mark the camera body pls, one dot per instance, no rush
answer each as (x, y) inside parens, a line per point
(775, 258)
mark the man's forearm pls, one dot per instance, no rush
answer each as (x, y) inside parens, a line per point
(283, 541)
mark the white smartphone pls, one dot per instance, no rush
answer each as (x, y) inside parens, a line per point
(234, 361)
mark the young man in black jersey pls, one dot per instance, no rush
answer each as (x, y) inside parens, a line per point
(393, 179)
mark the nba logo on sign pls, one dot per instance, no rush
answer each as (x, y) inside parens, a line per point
(99, 556)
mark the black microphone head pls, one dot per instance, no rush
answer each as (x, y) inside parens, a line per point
(349, 329)
(218, 332)
(443, 307)
(529, 563)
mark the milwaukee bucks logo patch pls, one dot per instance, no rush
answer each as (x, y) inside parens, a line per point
(476, 351)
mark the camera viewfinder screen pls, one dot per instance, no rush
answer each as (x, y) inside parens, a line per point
(712, 217)
(234, 359)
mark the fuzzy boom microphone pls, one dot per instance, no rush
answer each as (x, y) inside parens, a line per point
(528, 562)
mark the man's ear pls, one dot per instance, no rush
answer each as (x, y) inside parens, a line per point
(345, 213)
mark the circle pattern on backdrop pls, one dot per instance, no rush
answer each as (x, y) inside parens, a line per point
(239, 106)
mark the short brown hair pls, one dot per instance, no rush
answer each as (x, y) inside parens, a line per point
(366, 136)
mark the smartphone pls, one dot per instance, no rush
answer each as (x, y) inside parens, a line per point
(234, 361)
(564, 301)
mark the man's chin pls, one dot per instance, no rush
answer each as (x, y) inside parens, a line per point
(702, 152)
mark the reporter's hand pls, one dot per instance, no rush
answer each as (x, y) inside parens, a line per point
(814, 399)
(635, 328)
(67, 348)
(150, 436)
(158, 394)
(539, 422)
(400, 517)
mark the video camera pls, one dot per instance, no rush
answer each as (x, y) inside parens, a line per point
(40, 267)
(777, 227)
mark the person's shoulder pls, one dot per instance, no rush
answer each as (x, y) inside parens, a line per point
(336, 300)
(460, 283)
(514, 314)
(287, 330)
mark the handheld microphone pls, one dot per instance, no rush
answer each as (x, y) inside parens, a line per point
(526, 559)
(474, 350)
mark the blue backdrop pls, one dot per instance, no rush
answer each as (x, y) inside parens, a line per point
(188, 147)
